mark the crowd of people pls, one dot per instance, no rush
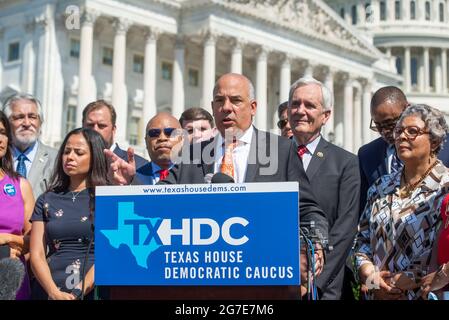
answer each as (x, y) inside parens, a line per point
(384, 211)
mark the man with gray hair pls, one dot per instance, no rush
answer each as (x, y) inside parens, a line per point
(32, 159)
(333, 174)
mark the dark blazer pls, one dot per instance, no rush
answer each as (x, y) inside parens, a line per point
(289, 168)
(373, 164)
(140, 162)
(335, 180)
(144, 174)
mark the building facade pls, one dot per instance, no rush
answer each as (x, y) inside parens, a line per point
(415, 33)
(165, 55)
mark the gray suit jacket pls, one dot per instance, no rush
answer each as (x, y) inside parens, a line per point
(42, 168)
(335, 180)
(284, 161)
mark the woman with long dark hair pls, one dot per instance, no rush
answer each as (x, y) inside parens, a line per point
(16, 205)
(63, 219)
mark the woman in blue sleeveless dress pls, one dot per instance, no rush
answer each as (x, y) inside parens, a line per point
(62, 219)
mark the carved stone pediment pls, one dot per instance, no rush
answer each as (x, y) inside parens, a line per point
(310, 17)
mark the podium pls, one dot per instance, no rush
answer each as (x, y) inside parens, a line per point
(198, 242)
(205, 293)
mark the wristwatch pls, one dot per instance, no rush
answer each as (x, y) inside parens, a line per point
(77, 293)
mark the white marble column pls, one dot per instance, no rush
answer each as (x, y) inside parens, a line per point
(390, 10)
(426, 69)
(358, 134)
(29, 58)
(444, 69)
(407, 70)
(149, 78)
(438, 74)
(405, 8)
(375, 11)
(178, 95)
(329, 83)
(348, 105)
(366, 110)
(261, 89)
(285, 79)
(421, 74)
(420, 10)
(1, 50)
(119, 89)
(86, 86)
(308, 68)
(208, 70)
(237, 56)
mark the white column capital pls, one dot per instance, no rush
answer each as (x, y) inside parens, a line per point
(286, 58)
(179, 41)
(238, 43)
(262, 52)
(152, 34)
(366, 83)
(209, 37)
(41, 21)
(89, 16)
(121, 26)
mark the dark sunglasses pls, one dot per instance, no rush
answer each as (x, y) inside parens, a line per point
(156, 132)
(387, 125)
(282, 123)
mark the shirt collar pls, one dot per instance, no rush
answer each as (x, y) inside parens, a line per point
(155, 168)
(30, 152)
(245, 138)
(311, 146)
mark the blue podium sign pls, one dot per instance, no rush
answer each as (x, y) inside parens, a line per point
(211, 234)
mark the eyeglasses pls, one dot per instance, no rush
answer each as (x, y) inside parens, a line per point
(411, 132)
(282, 123)
(387, 125)
(156, 132)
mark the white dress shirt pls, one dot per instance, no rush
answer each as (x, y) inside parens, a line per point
(239, 154)
(30, 153)
(311, 147)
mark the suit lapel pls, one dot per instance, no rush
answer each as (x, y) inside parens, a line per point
(38, 164)
(209, 167)
(318, 158)
(253, 161)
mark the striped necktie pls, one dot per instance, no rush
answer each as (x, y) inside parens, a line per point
(21, 167)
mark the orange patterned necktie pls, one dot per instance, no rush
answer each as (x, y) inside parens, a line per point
(227, 164)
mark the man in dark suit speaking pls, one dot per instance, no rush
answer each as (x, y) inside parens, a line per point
(333, 174)
(242, 152)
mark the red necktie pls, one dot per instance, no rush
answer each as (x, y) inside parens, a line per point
(163, 174)
(302, 149)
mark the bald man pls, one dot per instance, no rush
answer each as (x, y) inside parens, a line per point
(163, 140)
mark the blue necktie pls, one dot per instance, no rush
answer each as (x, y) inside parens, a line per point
(396, 163)
(21, 167)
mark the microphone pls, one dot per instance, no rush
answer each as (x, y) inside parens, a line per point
(12, 272)
(222, 178)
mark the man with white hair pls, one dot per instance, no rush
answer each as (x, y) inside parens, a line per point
(32, 159)
(333, 174)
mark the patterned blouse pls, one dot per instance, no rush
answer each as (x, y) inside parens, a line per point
(397, 234)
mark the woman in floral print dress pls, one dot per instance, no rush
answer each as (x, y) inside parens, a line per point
(62, 219)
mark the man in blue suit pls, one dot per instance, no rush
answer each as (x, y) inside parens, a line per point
(378, 157)
(164, 141)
